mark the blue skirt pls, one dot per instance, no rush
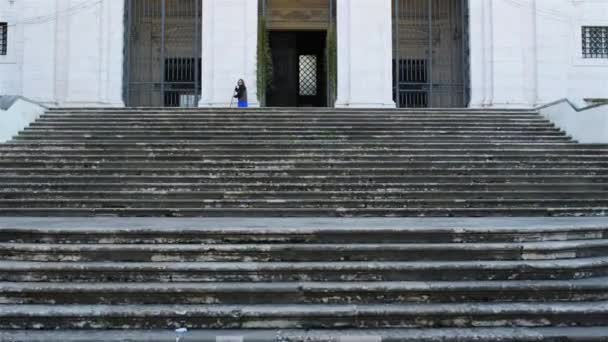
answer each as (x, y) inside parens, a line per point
(243, 104)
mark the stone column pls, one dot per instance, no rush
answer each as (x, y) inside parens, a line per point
(230, 30)
(365, 54)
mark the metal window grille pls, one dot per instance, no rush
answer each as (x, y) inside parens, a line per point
(308, 75)
(163, 53)
(431, 53)
(3, 38)
(595, 41)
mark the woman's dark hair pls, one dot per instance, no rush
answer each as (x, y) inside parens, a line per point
(241, 81)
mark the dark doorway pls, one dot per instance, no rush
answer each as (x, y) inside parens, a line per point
(299, 78)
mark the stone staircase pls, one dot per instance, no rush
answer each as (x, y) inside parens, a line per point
(228, 276)
(399, 279)
(83, 162)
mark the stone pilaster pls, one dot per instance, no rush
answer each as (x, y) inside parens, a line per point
(230, 29)
(365, 54)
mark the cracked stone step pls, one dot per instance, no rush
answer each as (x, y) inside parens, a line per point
(151, 163)
(211, 272)
(304, 179)
(382, 189)
(50, 317)
(303, 292)
(289, 231)
(284, 172)
(14, 192)
(318, 203)
(303, 252)
(309, 212)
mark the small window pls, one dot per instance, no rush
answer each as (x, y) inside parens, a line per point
(3, 38)
(595, 41)
(308, 75)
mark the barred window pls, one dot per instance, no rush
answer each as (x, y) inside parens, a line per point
(595, 41)
(3, 38)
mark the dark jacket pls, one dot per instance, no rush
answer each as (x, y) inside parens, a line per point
(241, 93)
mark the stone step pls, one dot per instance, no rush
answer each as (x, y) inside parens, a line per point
(300, 113)
(277, 127)
(294, 230)
(546, 334)
(89, 193)
(49, 317)
(302, 141)
(212, 272)
(253, 293)
(297, 121)
(287, 126)
(296, 154)
(145, 135)
(202, 162)
(304, 179)
(447, 211)
(151, 163)
(386, 189)
(206, 129)
(302, 252)
(271, 110)
(317, 203)
(290, 171)
(303, 147)
(297, 116)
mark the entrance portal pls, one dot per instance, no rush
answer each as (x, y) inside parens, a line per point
(431, 48)
(299, 78)
(163, 53)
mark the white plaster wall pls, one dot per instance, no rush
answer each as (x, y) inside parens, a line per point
(66, 52)
(364, 30)
(230, 30)
(528, 52)
(17, 117)
(587, 126)
(10, 64)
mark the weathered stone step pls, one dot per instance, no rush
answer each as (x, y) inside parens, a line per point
(271, 110)
(160, 161)
(297, 121)
(118, 162)
(216, 112)
(296, 116)
(16, 192)
(383, 188)
(469, 211)
(253, 293)
(436, 154)
(302, 252)
(299, 141)
(185, 128)
(318, 203)
(93, 272)
(291, 171)
(367, 179)
(160, 127)
(51, 317)
(298, 136)
(288, 125)
(206, 129)
(271, 147)
(294, 230)
(546, 334)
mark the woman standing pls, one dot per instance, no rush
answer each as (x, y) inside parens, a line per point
(241, 94)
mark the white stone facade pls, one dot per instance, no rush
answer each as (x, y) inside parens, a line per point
(522, 52)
